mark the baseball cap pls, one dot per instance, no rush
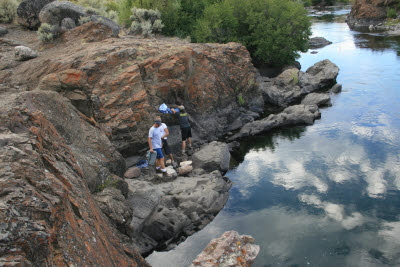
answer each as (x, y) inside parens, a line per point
(181, 107)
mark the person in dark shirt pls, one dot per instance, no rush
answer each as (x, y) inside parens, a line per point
(186, 130)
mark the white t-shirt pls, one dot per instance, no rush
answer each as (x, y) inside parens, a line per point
(163, 126)
(155, 134)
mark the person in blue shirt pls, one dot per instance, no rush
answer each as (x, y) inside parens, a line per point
(155, 143)
(186, 130)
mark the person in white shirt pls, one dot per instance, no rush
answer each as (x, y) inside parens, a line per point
(165, 146)
(155, 134)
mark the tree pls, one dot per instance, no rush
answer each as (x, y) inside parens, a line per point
(272, 30)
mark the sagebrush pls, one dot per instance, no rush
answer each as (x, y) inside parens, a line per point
(47, 33)
(146, 22)
(8, 10)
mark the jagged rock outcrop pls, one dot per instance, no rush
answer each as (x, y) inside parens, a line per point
(229, 250)
(49, 154)
(291, 116)
(129, 77)
(292, 85)
(164, 213)
(365, 13)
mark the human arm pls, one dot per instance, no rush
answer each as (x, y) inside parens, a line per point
(166, 133)
(150, 145)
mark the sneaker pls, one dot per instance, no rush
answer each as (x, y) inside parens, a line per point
(164, 174)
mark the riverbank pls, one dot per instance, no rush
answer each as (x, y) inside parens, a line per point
(374, 16)
(86, 101)
(324, 194)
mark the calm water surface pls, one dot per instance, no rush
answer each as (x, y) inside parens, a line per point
(327, 194)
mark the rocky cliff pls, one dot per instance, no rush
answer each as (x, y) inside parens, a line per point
(50, 153)
(120, 82)
(365, 13)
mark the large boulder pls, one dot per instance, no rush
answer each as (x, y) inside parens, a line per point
(56, 11)
(23, 53)
(28, 12)
(165, 213)
(291, 116)
(230, 249)
(49, 155)
(319, 76)
(214, 156)
(292, 85)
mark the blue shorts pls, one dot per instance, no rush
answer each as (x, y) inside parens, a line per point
(159, 153)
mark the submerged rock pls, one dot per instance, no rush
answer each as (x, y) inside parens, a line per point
(337, 88)
(318, 42)
(229, 250)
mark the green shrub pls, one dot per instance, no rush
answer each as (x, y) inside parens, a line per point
(106, 8)
(240, 100)
(8, 10)
(145, 22)
(47, 33)
(83, 20)
(272, 30)
(391, 13)
(109, 182)
(178, 16)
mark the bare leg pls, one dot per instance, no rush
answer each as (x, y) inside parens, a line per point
(158, 164)
(171, 157)
(190, 142)
(183, 145)
(162, 163)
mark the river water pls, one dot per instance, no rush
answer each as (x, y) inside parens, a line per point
(326, 194)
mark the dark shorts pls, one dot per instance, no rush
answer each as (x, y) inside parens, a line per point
(186, 133)
(159, 153)
(165, 146)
